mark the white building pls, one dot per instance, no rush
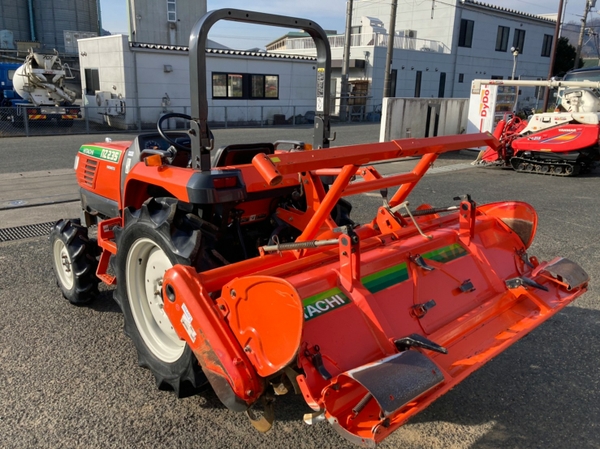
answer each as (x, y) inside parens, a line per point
(128, 84)
(167, 22)
(439, 47)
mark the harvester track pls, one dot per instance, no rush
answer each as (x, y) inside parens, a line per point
(523, 165)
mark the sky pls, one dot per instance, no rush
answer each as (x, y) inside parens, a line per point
(330, 14)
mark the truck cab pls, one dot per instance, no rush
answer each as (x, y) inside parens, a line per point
(7, 95)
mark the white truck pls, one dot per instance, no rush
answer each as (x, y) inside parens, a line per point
(40, 82)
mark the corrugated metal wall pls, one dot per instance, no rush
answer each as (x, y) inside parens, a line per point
(53, 17)
(15, 17)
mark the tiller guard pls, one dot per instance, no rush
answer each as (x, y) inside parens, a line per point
(378, 320)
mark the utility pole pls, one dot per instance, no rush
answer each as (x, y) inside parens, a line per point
(588, 4)
(346, 63)
(553, 52)
(387, 81)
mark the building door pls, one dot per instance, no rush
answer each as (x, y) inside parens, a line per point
(393, 78)
(418, 84)
(442, 87)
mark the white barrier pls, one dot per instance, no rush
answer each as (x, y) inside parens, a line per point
(422, 117)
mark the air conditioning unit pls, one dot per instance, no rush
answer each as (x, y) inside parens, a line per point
(115, 106)
(410, 33)
(102, 97)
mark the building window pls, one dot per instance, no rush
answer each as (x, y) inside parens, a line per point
(171, 11)
(547, 45)
(519, 40)
(235, 85)
(465, 38)
(502, 38)
(461, 77)
(264, 86)
(92, 81)
(245, 86)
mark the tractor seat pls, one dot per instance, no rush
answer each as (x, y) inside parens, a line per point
(239, 154)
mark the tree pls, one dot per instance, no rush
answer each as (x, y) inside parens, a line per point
(565, 57)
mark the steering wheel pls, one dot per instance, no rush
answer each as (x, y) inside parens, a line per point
(170, 141)
(513, 123)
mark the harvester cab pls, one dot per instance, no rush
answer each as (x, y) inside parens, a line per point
(580, 100)
(243, 274)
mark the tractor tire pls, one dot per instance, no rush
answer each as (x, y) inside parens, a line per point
(74, 261)
(153, 239)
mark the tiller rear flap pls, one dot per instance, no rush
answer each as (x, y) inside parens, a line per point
(371, 323)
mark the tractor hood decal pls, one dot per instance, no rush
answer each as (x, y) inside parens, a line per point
(110, 155)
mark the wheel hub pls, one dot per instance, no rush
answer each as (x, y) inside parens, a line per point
(63, 264)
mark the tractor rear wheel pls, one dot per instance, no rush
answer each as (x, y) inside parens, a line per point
(155, 238)
(74, 261)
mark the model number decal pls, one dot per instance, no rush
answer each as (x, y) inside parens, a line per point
(110, 155)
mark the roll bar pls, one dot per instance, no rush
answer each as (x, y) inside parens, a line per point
(200, 134)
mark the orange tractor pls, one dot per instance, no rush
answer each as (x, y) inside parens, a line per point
(243, 270)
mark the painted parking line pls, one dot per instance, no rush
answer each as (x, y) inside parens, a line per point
(449, 168)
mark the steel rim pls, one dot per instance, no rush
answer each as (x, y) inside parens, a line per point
(145, 268)
(62, 262)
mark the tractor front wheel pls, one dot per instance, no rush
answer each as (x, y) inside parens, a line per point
(74, 261)
(155, 238)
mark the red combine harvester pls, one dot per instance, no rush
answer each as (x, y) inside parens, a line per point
(245, 272)
(565, 143)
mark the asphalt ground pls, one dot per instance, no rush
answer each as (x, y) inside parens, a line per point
(69, 375)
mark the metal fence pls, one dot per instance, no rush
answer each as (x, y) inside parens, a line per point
(90, 120)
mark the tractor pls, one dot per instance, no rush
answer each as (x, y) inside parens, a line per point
(241, 269)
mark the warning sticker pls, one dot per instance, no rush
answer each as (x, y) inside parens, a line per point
(319, 104)
(186, 320)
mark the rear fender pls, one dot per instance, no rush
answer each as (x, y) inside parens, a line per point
(171, 180)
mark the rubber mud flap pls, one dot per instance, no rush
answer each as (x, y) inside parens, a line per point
(398, 380)
(362, 402)
(225, 393)
(568, 272)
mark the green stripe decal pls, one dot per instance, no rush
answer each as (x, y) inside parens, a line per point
(101, 153)
(399, 273)
(386, 278)
(332, 299)
(446, 254)
(327, 301)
